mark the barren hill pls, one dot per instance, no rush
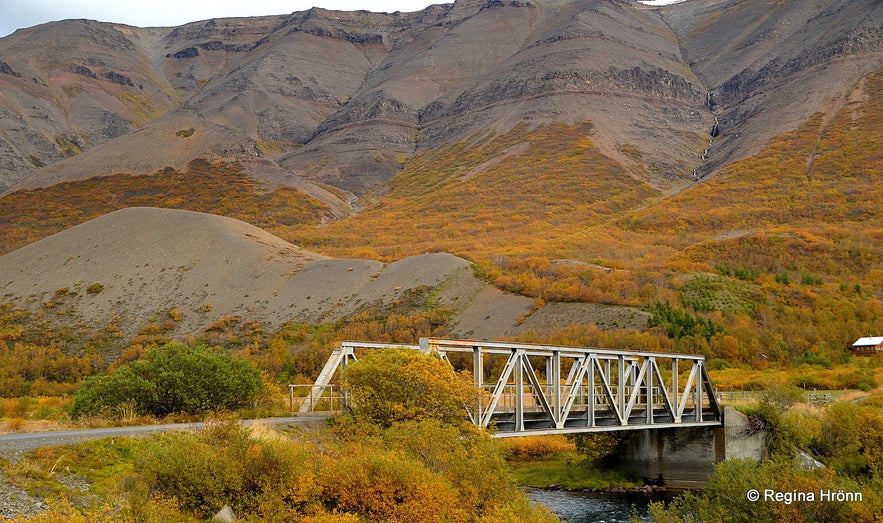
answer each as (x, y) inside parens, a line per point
(138, 263)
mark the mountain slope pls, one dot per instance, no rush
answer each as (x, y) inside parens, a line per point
(769, 66)
(347, 98)
(69, 86)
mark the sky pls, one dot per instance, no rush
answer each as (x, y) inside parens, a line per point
(16, 14)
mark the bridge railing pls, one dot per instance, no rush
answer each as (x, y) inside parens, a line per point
(547, 389)
(314, 399)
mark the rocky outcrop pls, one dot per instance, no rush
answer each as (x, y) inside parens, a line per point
(7, 69)
(653, 82)
(117, 78)
(494, 4)
(738, 88)
(355, 38)
(82, 70)
(188, 52)
(374, 106)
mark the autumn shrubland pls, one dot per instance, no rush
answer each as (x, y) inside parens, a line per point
(222, 188)
(422, 466)
(73, 376)
(474, 199)
(769, 269)
(774, 261)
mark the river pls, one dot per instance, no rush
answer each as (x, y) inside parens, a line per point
(596, 507)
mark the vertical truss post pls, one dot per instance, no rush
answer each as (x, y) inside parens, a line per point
(590, 408)
(620, 396)
(651, 364)
(674, 390)
(553, 380)
(698, 389)
(548, 386)
(519, 390)
(344, 392)
(478, 376)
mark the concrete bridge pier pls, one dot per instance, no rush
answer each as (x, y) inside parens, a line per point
(685, 457)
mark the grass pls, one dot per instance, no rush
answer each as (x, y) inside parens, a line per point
(567, 471)
(88, 474)
(858, 373)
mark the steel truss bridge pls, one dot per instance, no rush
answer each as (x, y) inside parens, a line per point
(542, 389)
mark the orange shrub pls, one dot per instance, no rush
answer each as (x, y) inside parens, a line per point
(536, 448)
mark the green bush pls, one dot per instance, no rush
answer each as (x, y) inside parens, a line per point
(678, 323)
(725, 499)
(851, 439)
(173, 378)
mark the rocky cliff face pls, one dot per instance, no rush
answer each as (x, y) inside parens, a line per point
(344, 98)
(769, 66)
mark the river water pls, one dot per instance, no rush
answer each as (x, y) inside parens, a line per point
(596, 507)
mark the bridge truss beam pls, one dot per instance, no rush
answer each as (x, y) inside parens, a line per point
(601, 389)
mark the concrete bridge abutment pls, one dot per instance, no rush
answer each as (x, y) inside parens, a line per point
(685, 457)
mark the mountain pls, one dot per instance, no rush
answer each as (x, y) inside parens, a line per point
(346, 99)
(717, 155)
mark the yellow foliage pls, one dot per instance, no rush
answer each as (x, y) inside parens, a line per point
(386, 486)
(221, 188)
(530, 448)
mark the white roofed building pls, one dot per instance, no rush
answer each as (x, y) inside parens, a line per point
(868, 345)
